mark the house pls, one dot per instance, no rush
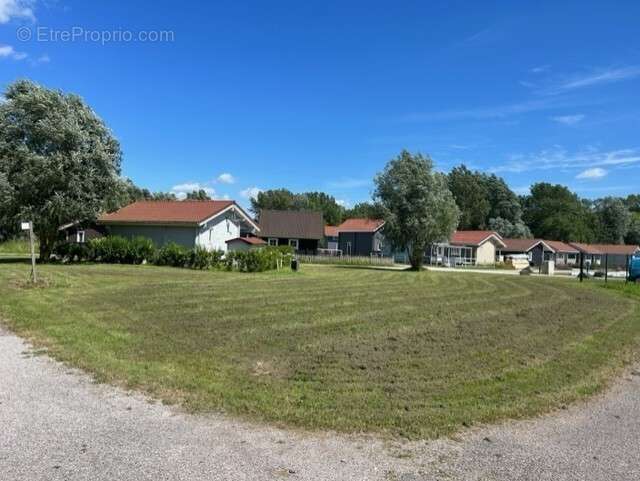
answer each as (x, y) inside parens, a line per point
(615, 256)
(81, 232)
(190, 223)
(471, 247)
(243, 244)
(331, 237)
(536, 250)
(301, 229)
(564, 254)
(362, 237)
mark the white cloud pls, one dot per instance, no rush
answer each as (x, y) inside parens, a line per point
(568, 119)
(484, 113)
(540, 69)
(559, 158)
(595, 78)
(592, 174)
(181, 190)
(343, 203)
(7, 51)
(16, 9)
(250, 192)
(226, 178)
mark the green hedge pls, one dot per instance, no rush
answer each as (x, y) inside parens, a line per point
(139, 250)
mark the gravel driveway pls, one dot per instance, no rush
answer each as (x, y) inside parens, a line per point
(55, 424)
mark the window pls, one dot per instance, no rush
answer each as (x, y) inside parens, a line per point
(293, 243)
(80, 237)
(273, 241)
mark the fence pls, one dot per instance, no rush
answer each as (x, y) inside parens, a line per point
(346, 260)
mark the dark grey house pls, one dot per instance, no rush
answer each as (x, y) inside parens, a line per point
(301, 229)
(361, 237)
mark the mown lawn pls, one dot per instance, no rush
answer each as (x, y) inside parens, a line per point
(411, 354)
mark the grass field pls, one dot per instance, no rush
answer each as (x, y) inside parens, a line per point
(401, 353)
(17, 246)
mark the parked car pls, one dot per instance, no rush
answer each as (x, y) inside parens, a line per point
(634, 269)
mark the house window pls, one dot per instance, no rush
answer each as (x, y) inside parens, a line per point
(294, 243)
(80, 237)
(273, 241)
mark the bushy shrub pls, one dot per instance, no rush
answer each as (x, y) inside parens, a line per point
(173, 255)
(201, 258)
(112, 249)
(259, 260)
(72, 252)
(141, 249)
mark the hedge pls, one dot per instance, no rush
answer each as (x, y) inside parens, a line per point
(140, 250)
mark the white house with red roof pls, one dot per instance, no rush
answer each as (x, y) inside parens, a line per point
(190, 223)
(466, 247)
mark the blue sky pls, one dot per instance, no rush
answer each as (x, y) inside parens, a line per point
(319, 95)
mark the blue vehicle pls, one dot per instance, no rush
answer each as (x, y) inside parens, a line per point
(634, 269)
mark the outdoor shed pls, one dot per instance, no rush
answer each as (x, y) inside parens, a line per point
(614, 255)
(244, 244)
(300, 229)
(361, 237)
(536, 250)
(205, 223)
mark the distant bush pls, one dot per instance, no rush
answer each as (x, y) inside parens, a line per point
(173, 255)
(120, 250)
(259, 260)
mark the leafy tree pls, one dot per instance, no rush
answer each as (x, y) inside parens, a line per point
(506, 229)
(198, 195)
(554, 212)
(633, 233)
(419, 207)
(58, 161)
(331, 210)
(503, 202)
(365, 210)
(275, 199)
(284, 199)
(633, 202)
(471, 192)
(613, 220)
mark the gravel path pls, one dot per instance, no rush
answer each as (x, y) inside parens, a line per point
(55, 424)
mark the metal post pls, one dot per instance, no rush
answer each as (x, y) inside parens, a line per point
(581, 266)
(606, 267)
(33, 254)
(628, 276)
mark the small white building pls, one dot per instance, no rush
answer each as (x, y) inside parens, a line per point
(470, 247)
(243, 244)
(190, 223)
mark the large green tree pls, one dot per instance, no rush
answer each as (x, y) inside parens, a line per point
(613, 220)
(472, 197)
(419, 207)
(366, 210)
(200, 194)
(554, 212)
(284, 199)
(58, 160)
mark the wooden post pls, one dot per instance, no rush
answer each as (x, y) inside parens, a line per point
(33, 254)
(606, 267)
(581, 265)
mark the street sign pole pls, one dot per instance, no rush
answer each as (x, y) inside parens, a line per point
(29, 226)
(33, 253)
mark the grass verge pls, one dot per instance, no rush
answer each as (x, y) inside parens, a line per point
(412, 354)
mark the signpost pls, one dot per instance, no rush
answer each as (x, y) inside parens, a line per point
(29, 226)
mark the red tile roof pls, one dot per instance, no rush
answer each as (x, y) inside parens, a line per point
(166, 212)
(601, 249)
(256, 241)
(331, 231)
(520, 245)
(561, 247)
(475, 237)
(361, 225)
